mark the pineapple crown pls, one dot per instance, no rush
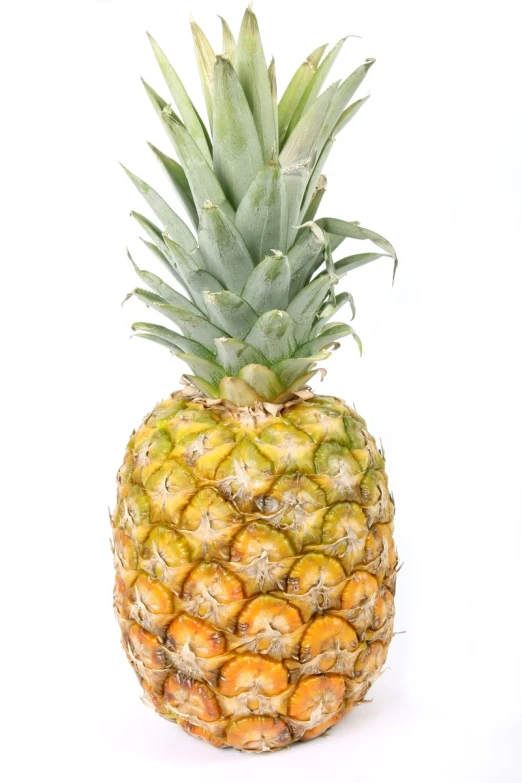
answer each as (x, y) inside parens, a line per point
(257, 268)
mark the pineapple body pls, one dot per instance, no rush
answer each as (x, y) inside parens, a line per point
(255, 566)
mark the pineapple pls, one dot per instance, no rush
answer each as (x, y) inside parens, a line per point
(255, 564)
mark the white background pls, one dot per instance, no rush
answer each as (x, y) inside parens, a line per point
(433, 162)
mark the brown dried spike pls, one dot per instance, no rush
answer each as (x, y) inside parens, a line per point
(146, 648)
(255, 673)
(257, 540)
(360, 587)
(264, 612)
(327, 634)
(314, 569)
(258, 732)
(153, 595)
(320, 693)
(203, 640)
(191, 698)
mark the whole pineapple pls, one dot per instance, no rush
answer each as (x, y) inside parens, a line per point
(253, 528)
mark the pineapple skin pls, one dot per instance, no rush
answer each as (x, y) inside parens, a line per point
(255, 566)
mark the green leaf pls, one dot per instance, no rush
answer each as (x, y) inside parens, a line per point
(250, 64)
(151, 230)
(204, 368)
(262, 380)
(348, 263)
(289, 370)
(302, 142)
(273, 335)
(344, 118)
(233, 354)
(348, 114)
(205, 58)
(167, 294)
(347, 90)
(262, 216)
(303, 307)
(193, 326)
(198, 282)
(272, 80)
(223, 249)
(267, 288)
(304, 255)
(206, 388)
(331, 308)
(344, 229)
(164, 258)
(299, 154)
(237, 152)
(314, 179)
(238, 392)
(294, 92)
(170, 339)
(203, 182)
(324, 339)
(181, 261)
(315, 201)
(178, 179)
(189, 115)
(230, 313)
(157, 101)
(229, 42)
(296, 179)
(175, 226)
(314, 87)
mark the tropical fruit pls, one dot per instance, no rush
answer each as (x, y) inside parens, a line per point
(255, 563)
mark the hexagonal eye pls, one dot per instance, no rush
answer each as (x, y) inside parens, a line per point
(203, 640)
(319, 694)
(255, 673)
(191, 697)
(258, 732)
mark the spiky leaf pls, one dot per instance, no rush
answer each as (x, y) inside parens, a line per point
(229, 42)
(273, 335)
(262, 216)
(304, 255)
(314, 86)
(230, 313)
(294, 92)
(238, 392)
(237, 152)
(203, 182)
(189, 115)
(305, 305)
(268, 286)
(223, 249)
(250, 64)
(167, 294)
(170, 339)
(204, 368)
(233, 354)
(324, 339)
(179, 181)
(262, 380)
(177, 229)
(205, 58)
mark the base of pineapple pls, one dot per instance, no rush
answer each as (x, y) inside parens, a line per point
(255, 566)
